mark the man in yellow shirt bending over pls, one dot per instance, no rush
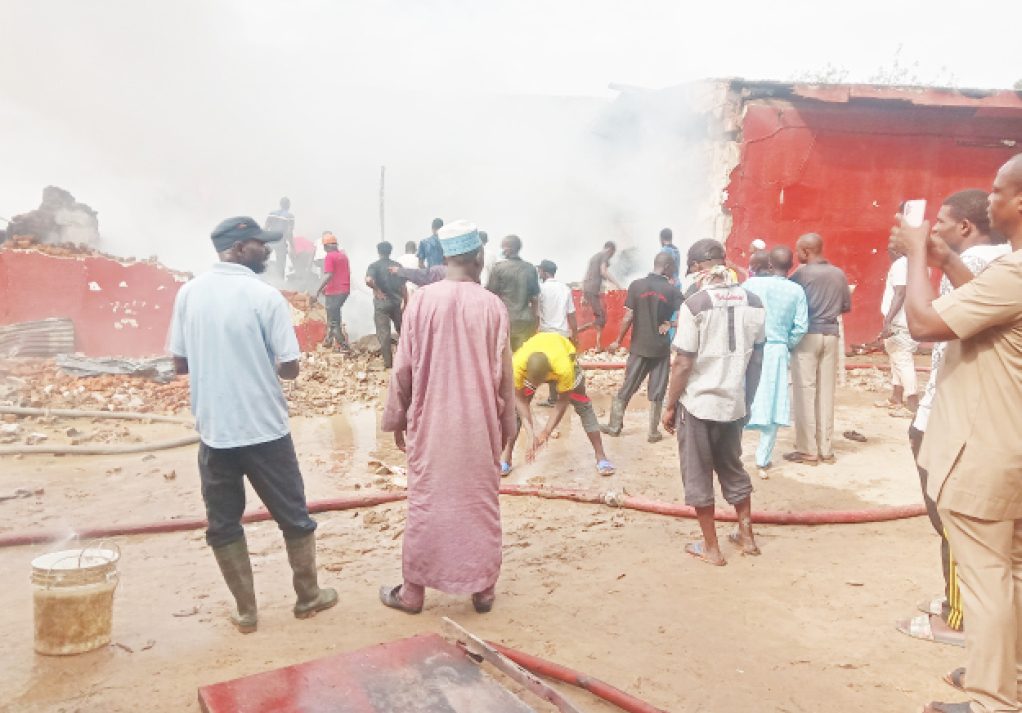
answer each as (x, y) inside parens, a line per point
(548, 357)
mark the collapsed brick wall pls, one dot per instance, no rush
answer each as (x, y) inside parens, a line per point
(119, 308)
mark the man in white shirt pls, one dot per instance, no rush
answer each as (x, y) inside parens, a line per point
(963, 226)
(490, 258)
(232, 333)
(556, 313)
(410, 261)
(898, 343)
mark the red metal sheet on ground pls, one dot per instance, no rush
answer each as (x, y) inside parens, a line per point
(419, 674)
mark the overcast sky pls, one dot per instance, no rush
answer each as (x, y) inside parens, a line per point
(167, 116)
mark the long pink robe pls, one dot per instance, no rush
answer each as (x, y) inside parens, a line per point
(452, 391)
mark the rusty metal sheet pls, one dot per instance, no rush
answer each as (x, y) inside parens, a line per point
(416, 675)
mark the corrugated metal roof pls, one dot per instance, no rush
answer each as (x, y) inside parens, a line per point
(41, 338)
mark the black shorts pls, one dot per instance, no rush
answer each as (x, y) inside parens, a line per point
(708, 446)
(599, 313)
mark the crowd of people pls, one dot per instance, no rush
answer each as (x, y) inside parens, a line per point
(481, 336)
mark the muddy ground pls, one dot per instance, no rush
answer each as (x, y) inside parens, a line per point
(808, 626)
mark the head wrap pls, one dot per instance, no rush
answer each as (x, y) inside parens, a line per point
(721, 275)
(458, 238)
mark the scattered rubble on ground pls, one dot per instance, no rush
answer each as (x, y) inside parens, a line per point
(604, 381)
(301, 309)
(39, 383)
(868, 380)
(328, 380)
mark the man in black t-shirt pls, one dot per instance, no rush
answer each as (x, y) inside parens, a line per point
(389, 293)
(651, 302)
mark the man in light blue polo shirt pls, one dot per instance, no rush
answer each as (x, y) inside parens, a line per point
(232, 333)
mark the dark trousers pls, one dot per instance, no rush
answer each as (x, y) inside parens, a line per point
(708, 446)
(334, 303)
(384, 313)
(952, 611)
(658, 369)
(521, 332)
(272, 468)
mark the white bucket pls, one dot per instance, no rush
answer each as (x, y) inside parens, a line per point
(74, 599)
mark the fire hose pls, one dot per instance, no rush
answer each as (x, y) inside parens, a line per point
(848, 367)
(562, 673)
(657, 507)
(97, 450)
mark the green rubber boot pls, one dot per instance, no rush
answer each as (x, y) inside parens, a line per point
(655, 409)
(617, 418)
(236, 568)
(301, 553)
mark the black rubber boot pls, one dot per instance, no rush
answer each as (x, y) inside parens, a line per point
(236, 568)
(655, 409)
(617, 418)
(301, 553)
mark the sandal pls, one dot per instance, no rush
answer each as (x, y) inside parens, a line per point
(920, 628)
(902, 412)
(947, 708)
(796, 457)
(696, 550)
(505, 469)
(482, 606)
(391, 597)
(735, 540)
(829, 460)
(932, 606)
(854, 436)
(886, 403)
(605, 467)
(955, 679)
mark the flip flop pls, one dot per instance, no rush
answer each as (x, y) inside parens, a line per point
(605, 467)
(854, 436)
(919, 628)
(829, 460)
(796, 457)
(932, 606)
(482, 606)
(901, 412)
(505, 469)
(955, 679)
(936, 707)
(737, 542)
(696, 550)
(886, 403)
(391, 597)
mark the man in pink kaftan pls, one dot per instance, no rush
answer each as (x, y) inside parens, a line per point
(452, 393)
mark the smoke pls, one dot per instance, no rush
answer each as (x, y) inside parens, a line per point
(168, 118)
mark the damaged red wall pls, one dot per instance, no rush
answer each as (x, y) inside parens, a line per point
(118, 309)
(842, 170)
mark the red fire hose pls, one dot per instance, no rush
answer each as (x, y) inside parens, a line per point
(563, 673)
(659, 507)
(621, 365)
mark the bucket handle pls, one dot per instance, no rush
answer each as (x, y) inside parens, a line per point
(98, 545)
(49, 570)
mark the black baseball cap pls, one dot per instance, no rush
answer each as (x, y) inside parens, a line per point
(548, 266)
(706, 249)
(238, 230)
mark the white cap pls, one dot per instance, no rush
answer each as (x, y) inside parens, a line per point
(758, 244)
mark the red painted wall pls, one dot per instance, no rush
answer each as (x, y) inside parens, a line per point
(842, 170)
(118, 309)
(614, 305)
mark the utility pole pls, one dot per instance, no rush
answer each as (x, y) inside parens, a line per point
(383, 173)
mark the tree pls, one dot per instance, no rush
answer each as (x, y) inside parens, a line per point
(897, 72)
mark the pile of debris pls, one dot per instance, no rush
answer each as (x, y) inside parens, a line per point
(328, 380)
(58, 219)
(604, 381)
(39, 383)
(869, 380)
(303, 308)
